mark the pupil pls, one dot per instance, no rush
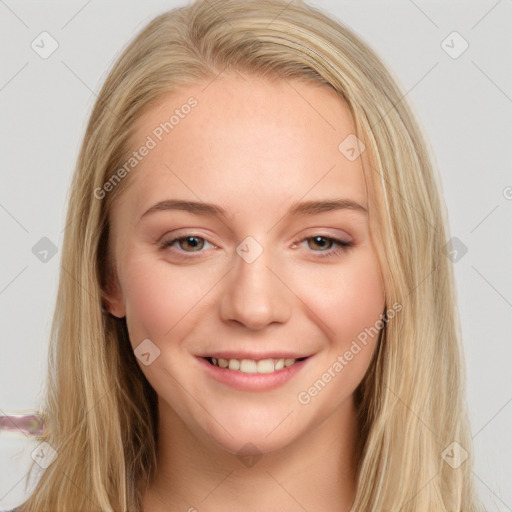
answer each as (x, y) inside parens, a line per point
(193, 241)
(321, 241)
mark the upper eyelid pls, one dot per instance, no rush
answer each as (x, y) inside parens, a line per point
(335, 239)
(319, 232)
(178, 238)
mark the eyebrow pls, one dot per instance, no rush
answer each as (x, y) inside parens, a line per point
(297, 208)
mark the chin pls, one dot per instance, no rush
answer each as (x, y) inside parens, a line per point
(251, 442)
(254, 430)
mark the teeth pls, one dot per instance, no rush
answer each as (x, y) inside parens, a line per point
(251, 366)
(279, 365)
(265, 366)
(248, 366)
(234, 364)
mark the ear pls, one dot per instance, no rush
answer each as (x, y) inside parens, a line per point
(112, 297)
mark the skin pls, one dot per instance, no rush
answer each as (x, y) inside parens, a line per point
(254, 147)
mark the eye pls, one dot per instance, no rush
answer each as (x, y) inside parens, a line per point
(320, 242)
(326, 245)
(189, 243)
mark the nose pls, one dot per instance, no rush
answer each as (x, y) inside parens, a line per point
(254, 296)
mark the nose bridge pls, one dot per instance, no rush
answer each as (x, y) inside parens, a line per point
(253, 295)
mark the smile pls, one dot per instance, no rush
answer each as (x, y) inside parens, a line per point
(253, 366)
(252, 372)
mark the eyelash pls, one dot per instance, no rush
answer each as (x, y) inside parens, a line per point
(341, 245)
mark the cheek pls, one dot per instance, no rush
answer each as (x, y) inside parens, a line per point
(347, 298)
(161, 300)
(361, 297)
(348, 304)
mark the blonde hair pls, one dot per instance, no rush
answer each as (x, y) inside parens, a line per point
(101, 412)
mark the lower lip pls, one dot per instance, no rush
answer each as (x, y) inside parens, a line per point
(252, 381)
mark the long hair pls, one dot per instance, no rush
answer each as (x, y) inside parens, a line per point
(100, 411)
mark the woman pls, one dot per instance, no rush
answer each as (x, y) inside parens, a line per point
(255, 310)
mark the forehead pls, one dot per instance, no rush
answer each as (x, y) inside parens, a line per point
(246, 142)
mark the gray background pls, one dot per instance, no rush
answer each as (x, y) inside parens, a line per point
(464, 105)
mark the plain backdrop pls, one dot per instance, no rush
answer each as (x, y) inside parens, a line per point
(463, 99)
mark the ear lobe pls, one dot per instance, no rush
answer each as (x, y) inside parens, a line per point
(114, 308)
(112, 299)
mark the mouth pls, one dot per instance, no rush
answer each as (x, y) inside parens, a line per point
(262, 366)
(253, 372)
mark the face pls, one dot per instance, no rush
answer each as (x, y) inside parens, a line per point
(243, 235)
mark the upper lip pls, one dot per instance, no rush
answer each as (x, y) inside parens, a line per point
(254, 356)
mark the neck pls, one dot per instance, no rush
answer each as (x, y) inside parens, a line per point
(314, 472)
